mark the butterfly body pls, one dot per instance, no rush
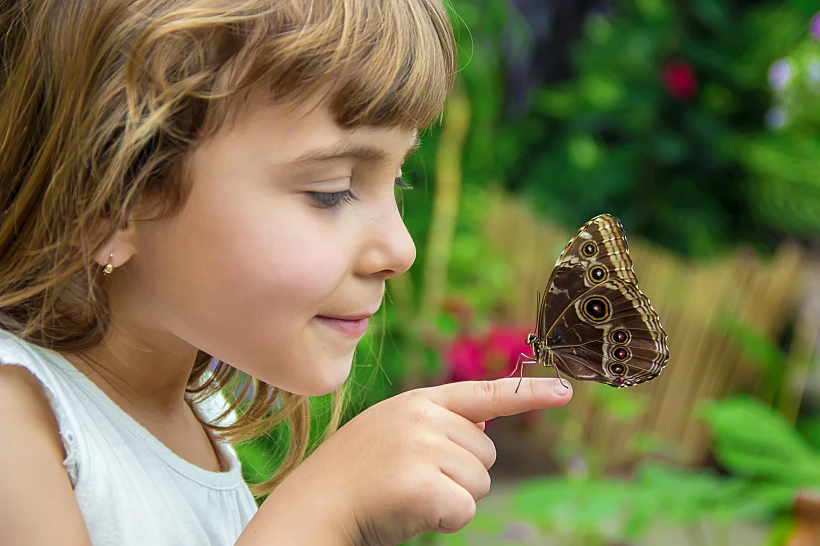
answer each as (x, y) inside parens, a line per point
(594, 323)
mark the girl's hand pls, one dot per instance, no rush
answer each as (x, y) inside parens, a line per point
(413, 463)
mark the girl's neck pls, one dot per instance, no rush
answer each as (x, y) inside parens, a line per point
(144, 375)
(146, 378)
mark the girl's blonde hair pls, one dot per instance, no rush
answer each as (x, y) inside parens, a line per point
(102, 101)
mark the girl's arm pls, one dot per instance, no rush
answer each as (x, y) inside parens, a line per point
(37, 504)
(299, 514)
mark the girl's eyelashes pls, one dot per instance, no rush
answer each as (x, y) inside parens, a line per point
(402, 184)
(331, 200)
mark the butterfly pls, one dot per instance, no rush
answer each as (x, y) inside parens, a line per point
(593, 322)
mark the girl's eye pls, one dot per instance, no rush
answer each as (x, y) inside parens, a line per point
(330, 200)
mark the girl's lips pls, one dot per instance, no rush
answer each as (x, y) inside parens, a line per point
(354, 327)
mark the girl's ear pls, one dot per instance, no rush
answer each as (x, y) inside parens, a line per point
(119, 248)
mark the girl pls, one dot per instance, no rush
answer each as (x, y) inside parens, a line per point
(197, 198)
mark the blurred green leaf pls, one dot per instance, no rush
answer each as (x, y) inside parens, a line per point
(485, 522)
(653, 9)
(669, 148)
(602, 91)
(709, 12)
(455, 539)
(752, 440)
(576, 504)
(809, 428)
(584, 152)
(759, 348)
(618, 404)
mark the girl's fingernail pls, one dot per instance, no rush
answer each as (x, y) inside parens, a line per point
(560, 388)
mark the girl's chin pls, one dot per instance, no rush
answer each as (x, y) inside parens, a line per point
(323, 379)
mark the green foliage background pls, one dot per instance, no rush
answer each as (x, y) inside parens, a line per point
(699, 175)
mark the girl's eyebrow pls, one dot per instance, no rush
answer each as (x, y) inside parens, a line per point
(345, 150)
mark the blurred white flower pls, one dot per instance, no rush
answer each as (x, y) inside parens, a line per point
(780, 74)
(776, 117)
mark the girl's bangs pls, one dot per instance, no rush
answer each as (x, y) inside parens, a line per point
(379, 63)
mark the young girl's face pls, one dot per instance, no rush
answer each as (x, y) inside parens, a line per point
(281, 251)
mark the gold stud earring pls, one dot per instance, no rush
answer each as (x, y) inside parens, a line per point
(109, 267)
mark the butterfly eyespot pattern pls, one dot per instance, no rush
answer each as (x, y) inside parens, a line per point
(621, 353)
(619, 336)
(590, 249)
(617, 369)
(593, 322)
(597, 309)
(598, 274)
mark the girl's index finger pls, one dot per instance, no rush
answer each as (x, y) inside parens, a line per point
(484, 400)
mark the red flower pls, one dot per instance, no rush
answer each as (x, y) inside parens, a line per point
(680, 80)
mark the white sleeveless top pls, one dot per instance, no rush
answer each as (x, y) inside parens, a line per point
(132, 489)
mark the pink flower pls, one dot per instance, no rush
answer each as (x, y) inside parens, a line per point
(465, 359)
(503, 346)
(680, 80)
(492, 356)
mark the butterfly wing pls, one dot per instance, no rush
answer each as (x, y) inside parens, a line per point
(609, 334)
(601, 241)
(597, 252)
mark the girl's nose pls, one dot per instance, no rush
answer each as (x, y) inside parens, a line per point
(390, 250)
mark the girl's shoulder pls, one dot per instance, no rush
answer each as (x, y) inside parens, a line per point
(123, 477)
(48, 376)
(32, 452)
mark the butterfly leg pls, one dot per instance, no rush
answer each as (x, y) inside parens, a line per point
(528, 358)
(528, 361)
(558, 373)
